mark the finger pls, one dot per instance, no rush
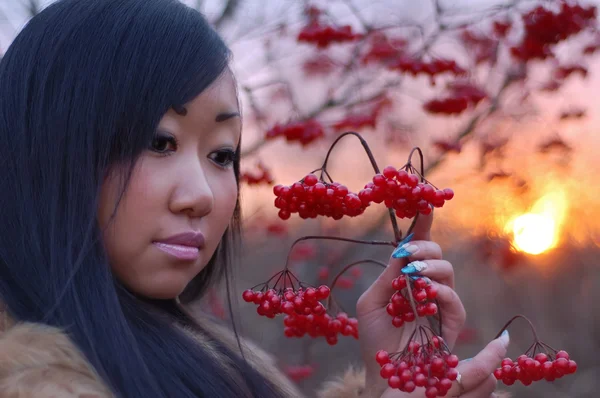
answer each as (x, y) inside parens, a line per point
(478, 369)
(452, 307)
(417, 250)
(422, 228)
(379, 293)
(483, 390)
(438, 270)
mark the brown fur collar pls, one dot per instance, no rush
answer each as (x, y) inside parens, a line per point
(38, 361)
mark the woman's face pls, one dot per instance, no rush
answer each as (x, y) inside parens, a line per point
(180, 198)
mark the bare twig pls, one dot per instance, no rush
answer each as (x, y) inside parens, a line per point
(226, 14)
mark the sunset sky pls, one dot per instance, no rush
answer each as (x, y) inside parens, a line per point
(479, 207)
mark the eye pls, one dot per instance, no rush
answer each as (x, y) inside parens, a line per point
(223, 157)
(163, 143)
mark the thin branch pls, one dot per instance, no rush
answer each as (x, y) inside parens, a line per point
(227, 13)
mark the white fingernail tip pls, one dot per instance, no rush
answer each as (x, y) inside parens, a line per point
(410, 248)
(419, 265)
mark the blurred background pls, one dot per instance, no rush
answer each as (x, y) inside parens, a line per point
(502, 98)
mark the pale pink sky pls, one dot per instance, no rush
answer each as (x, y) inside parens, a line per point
(477, 206)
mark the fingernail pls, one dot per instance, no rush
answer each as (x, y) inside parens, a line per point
(407, 239)
(409, 269)
(404, 249)
(505, 338)
(467, 360)
(415, 266)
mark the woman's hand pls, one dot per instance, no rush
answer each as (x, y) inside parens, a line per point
(477, 380)
(375, 327)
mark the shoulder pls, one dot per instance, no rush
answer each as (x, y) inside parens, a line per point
(42, 362)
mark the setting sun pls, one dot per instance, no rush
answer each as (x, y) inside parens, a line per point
(538, 230)
(533, 233)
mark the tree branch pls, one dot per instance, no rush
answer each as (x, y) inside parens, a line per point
(227, 13)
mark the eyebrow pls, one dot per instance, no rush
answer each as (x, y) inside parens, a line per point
(221, 117)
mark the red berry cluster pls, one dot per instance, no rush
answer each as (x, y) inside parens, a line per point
(321, 325)
(263, 176)
(303, 132)
(501, 28)
(318, 65)
(355, 122)
(562, 72)
(484, 47)
(432, 68)
(400, 308)
(462, 95)
(447, 146)
(428, 365)
(289, 301)
(481, 47)
(544, 28)
(402, 191)
(383, 49)
(528, 369)
(324, 35)
(311, 198)
(448, 106)
(358, 121)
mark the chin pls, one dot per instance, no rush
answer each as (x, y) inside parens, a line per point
(162, 290)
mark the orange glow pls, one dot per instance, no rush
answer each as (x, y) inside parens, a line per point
(538, 230)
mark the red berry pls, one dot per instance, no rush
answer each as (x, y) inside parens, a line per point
(382, 357)
(379, 180)
(448, 193)
(409, 386)
(387, 370)
(420, 283)
(541, 357)
(390, 172)
(431, 392)
(394, 382)
(452, 361)
(248, 296)
(310, 180)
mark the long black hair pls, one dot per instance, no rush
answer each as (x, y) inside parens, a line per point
(82, 88)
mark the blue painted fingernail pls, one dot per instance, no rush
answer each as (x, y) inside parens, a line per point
(415, 266)
(407, 239)
(467, 360)
(400, 253)
(403, 249)
(409, 269)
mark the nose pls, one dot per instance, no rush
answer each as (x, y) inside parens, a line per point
(192, 194)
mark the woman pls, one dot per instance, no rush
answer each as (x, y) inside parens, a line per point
(121, 126)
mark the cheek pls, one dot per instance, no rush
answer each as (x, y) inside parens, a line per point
(225, 198)
(126, 231)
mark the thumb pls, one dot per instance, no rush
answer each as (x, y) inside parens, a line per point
(477, 370)
(422, 228)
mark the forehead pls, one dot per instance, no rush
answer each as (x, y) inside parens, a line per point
(220, 96)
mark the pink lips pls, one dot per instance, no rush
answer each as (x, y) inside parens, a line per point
(185, 246)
